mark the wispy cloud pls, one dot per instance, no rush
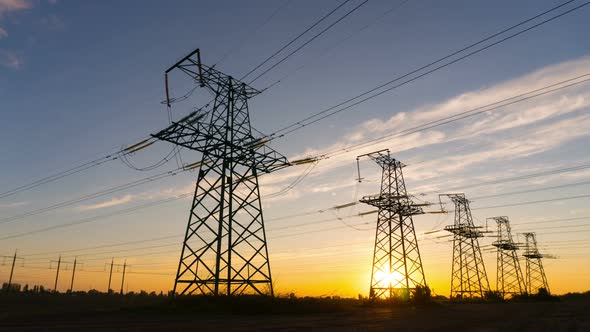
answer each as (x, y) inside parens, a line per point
(7, 6)
(529, 114)
(12, 205)
(150, 195)
(110, 203)
(525, 129)
(53, 22)
(10, 59)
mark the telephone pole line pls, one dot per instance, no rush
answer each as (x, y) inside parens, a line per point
(60, 262)
(112, 265)
(397, 265)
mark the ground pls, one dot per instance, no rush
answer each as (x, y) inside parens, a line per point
(151, 313)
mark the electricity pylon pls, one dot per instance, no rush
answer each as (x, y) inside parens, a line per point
(509, 280)
(468, 276)
(535, 274)
(224, 249)
(397, 266)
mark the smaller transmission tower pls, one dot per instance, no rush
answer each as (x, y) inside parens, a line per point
(535, 274)
(468, 276)
(509, 280)
(397, 266)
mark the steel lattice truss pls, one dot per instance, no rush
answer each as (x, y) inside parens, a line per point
(397, 266)
(468, 277)
(535, 274)
(224, 250)
(509, 279)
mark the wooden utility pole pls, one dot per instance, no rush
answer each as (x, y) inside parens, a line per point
(123, 278)
(57, 273)
(73, 274)
(110, 275)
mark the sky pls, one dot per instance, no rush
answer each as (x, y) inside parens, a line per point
(80, 80)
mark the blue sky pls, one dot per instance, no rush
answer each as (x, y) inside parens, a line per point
(80, 79)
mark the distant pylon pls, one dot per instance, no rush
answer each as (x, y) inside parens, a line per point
(397, 266)
(468, 276)
(224, 249)
(535, 274)
(509, 280)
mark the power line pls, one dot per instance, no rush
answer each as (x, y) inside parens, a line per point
(59, 175)
(463, 115)
(333, 109)
(309, 41)
(517, 178)
(111, 190)
(302, 214)
(92, 163)
(256, 30)
(532, 190)
(294, 40)
(175, 251)
(532, 202)
(80, 168)
(340, 42)
(102, 216)
(551, 221)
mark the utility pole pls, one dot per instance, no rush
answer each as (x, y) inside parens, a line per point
(60, 262)
(123, 278)
(124, 266)
(57, 273)
(468, 277)
(73, 274)
(111, 275)
(224, 249)
(13, 258)
(535, 274)
(509, 280)
(12, 270)
(397, 265)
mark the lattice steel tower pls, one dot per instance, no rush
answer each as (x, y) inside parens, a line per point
(397, 266)
(509, 280)
(468, 276)
(224, 249)
(535, 274)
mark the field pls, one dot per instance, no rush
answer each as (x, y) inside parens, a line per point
(61, 312)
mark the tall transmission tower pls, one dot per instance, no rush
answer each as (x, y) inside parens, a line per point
(468, 276)
(224, 249)
(397, 266)
(535, 274)
(509, 280)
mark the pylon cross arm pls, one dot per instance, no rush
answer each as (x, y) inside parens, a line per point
(194, 134)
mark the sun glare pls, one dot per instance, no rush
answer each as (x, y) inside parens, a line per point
(389, 278)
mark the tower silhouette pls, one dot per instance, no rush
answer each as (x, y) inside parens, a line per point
(224, 249)
(468, 276)
(535, 274)
(397, 266)
(509, 280)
